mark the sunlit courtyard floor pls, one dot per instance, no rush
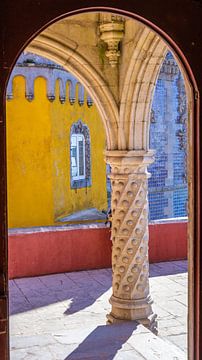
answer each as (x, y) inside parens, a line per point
(63, 316)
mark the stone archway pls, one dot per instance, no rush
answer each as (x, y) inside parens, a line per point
(123, 89)
(61, 51)
(148, 54)
(121, 165)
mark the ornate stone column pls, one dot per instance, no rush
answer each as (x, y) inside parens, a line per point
(129, 181)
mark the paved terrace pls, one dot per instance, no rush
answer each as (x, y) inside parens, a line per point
(63, 317)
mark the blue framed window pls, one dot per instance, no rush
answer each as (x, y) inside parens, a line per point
(80, 159)
(77, 151)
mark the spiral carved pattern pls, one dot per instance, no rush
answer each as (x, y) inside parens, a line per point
(130, 235)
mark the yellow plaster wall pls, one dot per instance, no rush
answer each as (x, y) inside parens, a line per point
(38, 151)
(67, 200)
(30, 180)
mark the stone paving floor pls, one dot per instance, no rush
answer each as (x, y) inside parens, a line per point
(63, 317)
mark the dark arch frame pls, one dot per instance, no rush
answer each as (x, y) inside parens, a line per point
(21, 21)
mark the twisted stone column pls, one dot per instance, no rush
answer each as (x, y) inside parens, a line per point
(129, 181)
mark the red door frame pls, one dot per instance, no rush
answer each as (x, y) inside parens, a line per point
(178, 22)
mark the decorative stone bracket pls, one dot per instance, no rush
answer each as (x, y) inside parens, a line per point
(130, 265)
(111, 32)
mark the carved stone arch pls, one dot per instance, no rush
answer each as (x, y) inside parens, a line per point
(31, 87)
(148, 54)
(9, 90)
(81, 94)
(63, 52)
(70, 89)
(61, 87)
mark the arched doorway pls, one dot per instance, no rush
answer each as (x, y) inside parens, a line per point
(146, 13)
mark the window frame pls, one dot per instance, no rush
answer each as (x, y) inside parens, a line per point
(81, 181)
(78, 176)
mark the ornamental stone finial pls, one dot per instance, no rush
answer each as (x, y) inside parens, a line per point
(111, 32)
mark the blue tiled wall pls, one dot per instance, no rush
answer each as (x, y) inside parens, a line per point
(168, 136)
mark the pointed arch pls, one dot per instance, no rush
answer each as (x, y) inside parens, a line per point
(64, 53)
(148, 54)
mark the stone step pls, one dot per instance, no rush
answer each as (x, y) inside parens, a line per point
(152, 347)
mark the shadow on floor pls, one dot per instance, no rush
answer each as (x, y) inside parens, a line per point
(78, 290)
(168, 268)
(104, 342)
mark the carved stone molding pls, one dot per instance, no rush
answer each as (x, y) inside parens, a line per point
(57, 48)
(111, 32)
(130, 265)
(52, 73)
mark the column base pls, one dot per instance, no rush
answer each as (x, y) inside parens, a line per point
(133, 310)
(150, 323)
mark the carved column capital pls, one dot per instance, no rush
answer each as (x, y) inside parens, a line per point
(129, 162)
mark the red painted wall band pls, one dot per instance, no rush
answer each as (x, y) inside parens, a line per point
(39, 253)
